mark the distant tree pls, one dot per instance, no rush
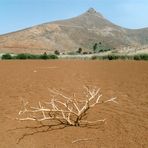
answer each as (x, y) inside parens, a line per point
(79, 50)
(57, 52)
(95, 47)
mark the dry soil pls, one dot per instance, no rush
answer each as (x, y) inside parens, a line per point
(126, 123)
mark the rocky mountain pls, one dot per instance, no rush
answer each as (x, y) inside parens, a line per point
(68, 35)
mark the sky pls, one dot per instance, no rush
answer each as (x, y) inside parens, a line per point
(20, 14)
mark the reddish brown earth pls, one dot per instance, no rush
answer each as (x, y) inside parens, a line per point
(127, 122)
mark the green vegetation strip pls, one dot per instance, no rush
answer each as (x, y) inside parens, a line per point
(121, 57)
(45, 56)
(24, 56)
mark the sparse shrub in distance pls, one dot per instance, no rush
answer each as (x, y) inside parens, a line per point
(108, 57)
(52, 56)
(24, 56)
(105, 50)
(101, 50)
(136, 57)
(44, 56)
(57, 52)
(141, 57)
(94, 57)
(21, 56)
(112, 57)
(79, 50)
(7, 56)
(95, 47)
(144, 56)
(32, 56)
(85, 52)
(121, 57)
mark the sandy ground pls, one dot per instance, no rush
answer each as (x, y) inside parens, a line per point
(127, 122)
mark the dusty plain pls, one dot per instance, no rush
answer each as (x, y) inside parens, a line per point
(126, 123)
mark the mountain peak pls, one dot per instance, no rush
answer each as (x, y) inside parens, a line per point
(79, 32)
(91, 11)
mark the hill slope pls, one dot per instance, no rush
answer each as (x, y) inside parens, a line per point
(69, 35)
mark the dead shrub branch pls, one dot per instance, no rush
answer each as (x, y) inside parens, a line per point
(63, 110)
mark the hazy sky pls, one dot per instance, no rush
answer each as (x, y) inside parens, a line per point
(19, 14)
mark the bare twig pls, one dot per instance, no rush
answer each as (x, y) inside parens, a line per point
(79, 140)
(69, 111)
(66, 110)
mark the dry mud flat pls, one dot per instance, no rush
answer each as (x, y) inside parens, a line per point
(127, 122)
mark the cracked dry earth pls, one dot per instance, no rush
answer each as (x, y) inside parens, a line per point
(126, 123)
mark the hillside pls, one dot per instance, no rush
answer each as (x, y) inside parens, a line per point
(68, 35)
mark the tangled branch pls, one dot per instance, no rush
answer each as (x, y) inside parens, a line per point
(66, 111)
